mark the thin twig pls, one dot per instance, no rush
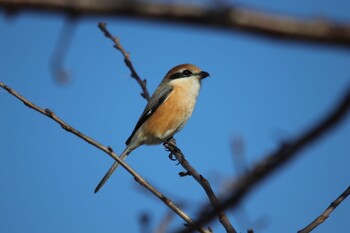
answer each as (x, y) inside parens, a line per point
(171, 146)
(234, 18)
(107, 150)
(320, 219)
(281, 156)
(203, 182)
(127, 60)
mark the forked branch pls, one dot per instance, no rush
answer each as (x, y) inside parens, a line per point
(172, 145)
(107, 150)
(277, 159)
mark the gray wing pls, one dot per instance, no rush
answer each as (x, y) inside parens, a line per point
(162, 93)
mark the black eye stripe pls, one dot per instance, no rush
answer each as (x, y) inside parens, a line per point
(176, 75)
(183, 74)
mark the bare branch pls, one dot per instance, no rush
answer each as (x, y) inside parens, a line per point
(203, 182)
(127, 60)
(107, 150)
(320, 219)
(281, 156)
(172, 145)
(232, 18)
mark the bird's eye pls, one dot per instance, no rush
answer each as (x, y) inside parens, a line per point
(186, 73)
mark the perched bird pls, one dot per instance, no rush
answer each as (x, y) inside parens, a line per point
(167, 111)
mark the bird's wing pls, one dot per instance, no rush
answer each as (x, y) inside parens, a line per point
(162, 93)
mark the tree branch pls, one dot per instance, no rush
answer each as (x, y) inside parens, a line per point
(231, 18)
(281, 156)
(320, 219)
(109, 151)
(203, 182)
(172, 145)
(128, 63)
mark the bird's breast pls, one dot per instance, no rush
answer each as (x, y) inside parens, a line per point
(172, 114)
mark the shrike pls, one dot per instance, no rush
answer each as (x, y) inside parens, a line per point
(167, 111)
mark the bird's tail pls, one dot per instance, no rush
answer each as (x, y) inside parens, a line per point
(111, 170)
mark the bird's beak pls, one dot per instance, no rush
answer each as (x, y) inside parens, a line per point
(203, 74)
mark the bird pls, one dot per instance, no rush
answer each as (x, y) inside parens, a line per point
(166, 112)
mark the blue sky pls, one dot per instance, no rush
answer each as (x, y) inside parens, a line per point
(263, 91)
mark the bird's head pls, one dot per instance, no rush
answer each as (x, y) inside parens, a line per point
(185, 73)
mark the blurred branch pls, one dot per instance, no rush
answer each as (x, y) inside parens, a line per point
(281, 156)
(59, 73)
(172, 145)
(109, 151)
(232, 18)
(320, 219)
(240, 166)
(165, 223)
(238, 155)
(145, 222)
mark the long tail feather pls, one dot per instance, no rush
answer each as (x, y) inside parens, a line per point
(111, 170)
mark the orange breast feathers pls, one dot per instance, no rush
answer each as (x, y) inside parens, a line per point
(172, 115)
